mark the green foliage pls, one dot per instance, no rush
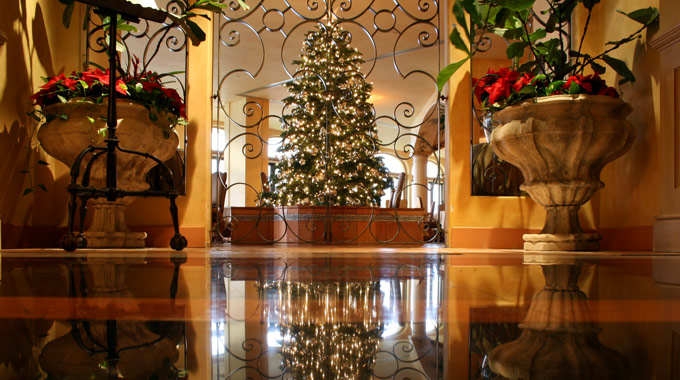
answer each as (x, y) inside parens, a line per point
(548, 54)
(330, 139)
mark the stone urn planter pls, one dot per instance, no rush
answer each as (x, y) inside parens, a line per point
(561, 143)
(65, 139)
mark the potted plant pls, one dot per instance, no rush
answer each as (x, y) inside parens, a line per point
(555, 118)
(73, 112)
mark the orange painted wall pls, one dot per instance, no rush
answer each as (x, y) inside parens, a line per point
(37, 45)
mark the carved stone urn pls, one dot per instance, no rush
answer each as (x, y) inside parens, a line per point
(84, 126)
(559, 338)
(561, 143)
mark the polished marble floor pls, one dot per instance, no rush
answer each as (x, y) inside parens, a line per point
(319, 312)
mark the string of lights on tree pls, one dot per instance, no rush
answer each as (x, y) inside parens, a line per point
(330, 138)
(330, 330)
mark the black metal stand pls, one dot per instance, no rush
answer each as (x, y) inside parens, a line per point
(71, 241)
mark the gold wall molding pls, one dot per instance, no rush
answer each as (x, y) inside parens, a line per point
(666, 39)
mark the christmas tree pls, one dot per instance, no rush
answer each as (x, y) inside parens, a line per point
(330, 140)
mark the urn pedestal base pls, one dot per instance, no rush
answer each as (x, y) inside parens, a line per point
(108, 228)
(561, 242)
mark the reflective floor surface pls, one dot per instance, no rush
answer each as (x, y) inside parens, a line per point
(338, 313)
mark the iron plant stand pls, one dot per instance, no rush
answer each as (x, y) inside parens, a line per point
(71, 241)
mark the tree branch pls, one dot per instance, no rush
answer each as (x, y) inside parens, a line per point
(583, 35)
(614, 47)
(531, 46)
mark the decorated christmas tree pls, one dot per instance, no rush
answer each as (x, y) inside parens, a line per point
(329, 139)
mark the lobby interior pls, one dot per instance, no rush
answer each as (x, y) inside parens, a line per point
(436, 306)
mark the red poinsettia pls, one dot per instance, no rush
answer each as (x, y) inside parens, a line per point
(502, 88)
(591, 84)
(145, 88)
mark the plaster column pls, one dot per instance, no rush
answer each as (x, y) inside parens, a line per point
(667, 43)
(419, 181)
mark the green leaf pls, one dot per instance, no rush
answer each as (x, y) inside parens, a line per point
(83, 84)
(243, 4)
(448, 71)
(62, 116)
(459, 13)
(210, 6)
(565, 9)
(96, 65)
(125, 27)
(516, 50)
(501, 17)
(537, 35)
(644, 16)
(598, 68)
(471, 9)
(195, 33)
(27, 191)
(41, 162)
(68, 12)
(91, 120)
(527, 67)
(119, 45)
(528, 89)
(554, 86)
(623, 40)
(61, 98)
(86, 19)
(43, 187)
(457, 41)
(517, 5)
(574, 88)
(621, 68)
(551, 23)
(512, 34)
(589, 4)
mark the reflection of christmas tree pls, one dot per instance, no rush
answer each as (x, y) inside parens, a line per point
(330, 330)
(329, 135)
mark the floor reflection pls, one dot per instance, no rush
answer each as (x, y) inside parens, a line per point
(339, 313)
(329, 319)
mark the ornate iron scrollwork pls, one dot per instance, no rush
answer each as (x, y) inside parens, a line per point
(401, 46)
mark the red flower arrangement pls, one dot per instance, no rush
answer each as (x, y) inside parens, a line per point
(505, 87)
(92, 85)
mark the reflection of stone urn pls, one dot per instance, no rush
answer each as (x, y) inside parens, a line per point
(559, 339)
(65, 139)
(143, 351)
(561, 143)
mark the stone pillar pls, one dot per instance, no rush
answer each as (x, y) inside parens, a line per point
(419, 181)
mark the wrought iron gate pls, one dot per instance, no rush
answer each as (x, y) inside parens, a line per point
(403, 52)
